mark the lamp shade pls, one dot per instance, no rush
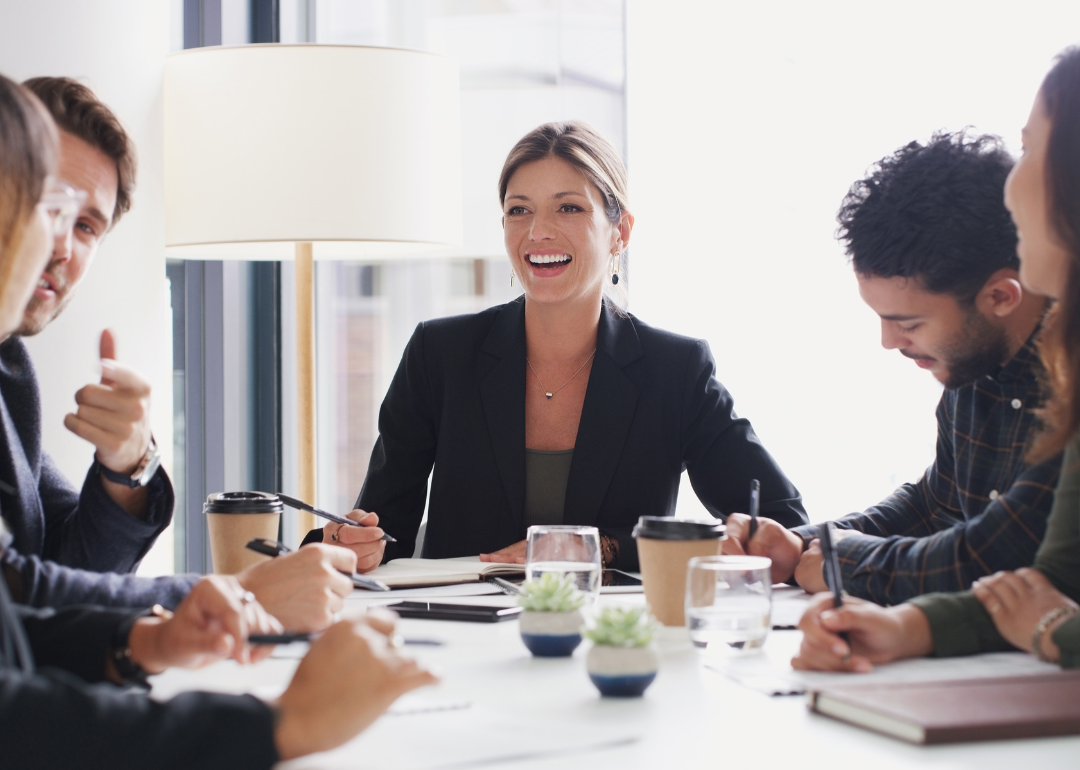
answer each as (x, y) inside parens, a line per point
(353, 149)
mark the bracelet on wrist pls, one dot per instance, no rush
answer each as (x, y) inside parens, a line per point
(1044, 623)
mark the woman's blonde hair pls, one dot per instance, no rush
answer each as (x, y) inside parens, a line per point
(584, 148)
(28, 146)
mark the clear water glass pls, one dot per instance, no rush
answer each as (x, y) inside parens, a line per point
(567, 550)
(729, 602)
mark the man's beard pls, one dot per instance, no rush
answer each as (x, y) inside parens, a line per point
(979, 349)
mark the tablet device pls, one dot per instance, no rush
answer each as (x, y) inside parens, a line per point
(616, 577)
(476, 613)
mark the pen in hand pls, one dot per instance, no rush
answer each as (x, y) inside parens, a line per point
(755, 505)
(292, 502)
(833, 577)
(274, 548)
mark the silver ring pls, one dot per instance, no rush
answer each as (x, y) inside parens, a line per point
(395, 642)
(247, 597)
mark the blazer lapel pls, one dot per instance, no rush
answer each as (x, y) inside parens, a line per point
(610, 402)
(502, 391)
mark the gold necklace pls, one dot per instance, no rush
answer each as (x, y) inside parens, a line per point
(548, 393)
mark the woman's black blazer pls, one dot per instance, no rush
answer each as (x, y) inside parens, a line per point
(652, 409)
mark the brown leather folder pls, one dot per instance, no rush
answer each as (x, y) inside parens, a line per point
(955, 711)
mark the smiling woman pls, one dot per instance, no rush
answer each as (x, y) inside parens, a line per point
(557, 407)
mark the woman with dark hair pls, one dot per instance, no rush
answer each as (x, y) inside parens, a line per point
(558, 407)
(1031, 609)
(58, 703)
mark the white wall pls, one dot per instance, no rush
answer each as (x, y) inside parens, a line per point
(117, 47)
(747, 124)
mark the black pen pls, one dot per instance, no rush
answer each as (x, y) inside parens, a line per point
(274, 548)
(755, 505)
(292, 502)
(288, 638)
(833, 577)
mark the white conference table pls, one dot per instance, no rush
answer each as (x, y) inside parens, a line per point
(495, 701)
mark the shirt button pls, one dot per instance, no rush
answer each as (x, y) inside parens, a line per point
(1017, 403)
(993, 494)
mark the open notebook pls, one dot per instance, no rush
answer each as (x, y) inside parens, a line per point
(410, 573)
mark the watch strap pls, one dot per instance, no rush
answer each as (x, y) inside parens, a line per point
(120, 652)
(143, 474)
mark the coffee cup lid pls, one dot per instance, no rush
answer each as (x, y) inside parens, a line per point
(669, 528)
(243, 502)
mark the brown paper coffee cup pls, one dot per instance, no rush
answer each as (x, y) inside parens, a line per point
(665, 547)
(235, 518)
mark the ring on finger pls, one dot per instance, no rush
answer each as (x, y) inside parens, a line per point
(334, 534)
(247, 597)
(995, 609)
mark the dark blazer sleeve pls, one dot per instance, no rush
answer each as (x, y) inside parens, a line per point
(76, 639)
(89, 530)
(40, 583)
(396, 483)
(397, 478)
(53, 719)
(718, 449)
(722, 452)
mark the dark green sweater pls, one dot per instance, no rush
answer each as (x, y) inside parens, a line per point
(959, 623)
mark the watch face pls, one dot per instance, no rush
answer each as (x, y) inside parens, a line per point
(150, 470)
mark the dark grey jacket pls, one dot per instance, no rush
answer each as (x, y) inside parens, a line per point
(52, 714)
(64, 539)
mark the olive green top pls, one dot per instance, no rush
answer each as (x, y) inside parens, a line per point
(545, 485)
(959, 623)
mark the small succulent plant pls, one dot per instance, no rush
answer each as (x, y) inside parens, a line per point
(551, 592)
(622, 627)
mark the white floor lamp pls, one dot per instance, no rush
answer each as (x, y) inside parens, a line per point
(307, 152)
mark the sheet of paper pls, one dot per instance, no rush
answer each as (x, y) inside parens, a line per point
(456, 735)
(462, 589)
(788, 605)
(771, 673)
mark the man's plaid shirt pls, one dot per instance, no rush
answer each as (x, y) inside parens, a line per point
(978, 509)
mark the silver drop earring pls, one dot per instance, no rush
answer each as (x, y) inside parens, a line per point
(511, 279)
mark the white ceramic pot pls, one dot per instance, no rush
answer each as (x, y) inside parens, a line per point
(551, 634)
(622, 671)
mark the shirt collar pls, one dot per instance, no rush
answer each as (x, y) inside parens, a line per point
(1025, 365)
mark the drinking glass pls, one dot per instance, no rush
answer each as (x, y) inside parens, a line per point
(729, 602)
(566, 549)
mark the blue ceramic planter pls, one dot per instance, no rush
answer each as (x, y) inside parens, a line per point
(628, 686)
(551, 634)
(622, 672)
(551, 645)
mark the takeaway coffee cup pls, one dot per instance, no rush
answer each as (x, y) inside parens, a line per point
(234, 518)
(665, 546)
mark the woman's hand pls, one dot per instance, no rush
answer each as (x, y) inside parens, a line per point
(877, 635)
(213, 622)
(365, 541)
(351, 675)
(1017, 601)
(512, 554)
